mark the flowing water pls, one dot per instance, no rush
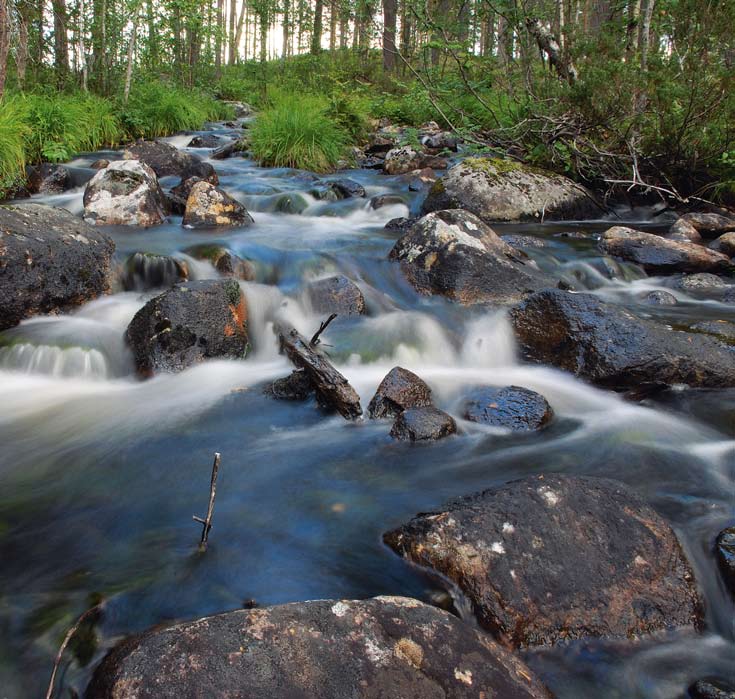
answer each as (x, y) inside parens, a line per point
(100, 473)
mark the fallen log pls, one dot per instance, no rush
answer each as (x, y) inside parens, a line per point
(333, 391)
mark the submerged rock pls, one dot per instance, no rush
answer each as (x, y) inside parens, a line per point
(504, 190)
(711, 689)
(611, 347)
(192, 322)
(296, 386)
(387, 647)
(209, 206)
(660, 298)
(399, 390)
(381, 200)
(722, 329)
(551, 559)
(725, 552)
(125, 193)
(347, 188)
(205, 141)
(660, 255)
(143, 271)
(516, 408)
(224, 261)
(336, 294)
(424, 423)
(47, 178)
(163, 158)
(454, 254)
(50, 262)
(700, 282)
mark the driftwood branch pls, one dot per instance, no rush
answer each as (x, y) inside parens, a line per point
(69, 635)
(322, 327)
(207, 521)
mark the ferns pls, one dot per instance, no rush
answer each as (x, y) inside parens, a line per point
(298, 132)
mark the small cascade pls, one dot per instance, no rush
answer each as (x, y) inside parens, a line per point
(71, 362)
(144, 271)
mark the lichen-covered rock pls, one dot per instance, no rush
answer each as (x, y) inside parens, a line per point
(612, 347)
(208, 206)
(163, 158)
(660, 298)
(399, 390)
(380, 648)
(423, 424)
(336, 294)
(700, 282)
(125, 193)
(725, 244)
(401, 160)
(191, 322)
(47, 178)
(554, 558)
(224, 261)
(196, 172)
(143, 271)
(454, 254)
(513, 407)
(50, 262)
(504, 190)
(660, 255)
(725, 552)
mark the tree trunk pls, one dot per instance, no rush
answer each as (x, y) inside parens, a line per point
(503, 41)
(405, 30)
(4, 43)
(238, 31)
(285, 27)
(344, 25)
(131, 54)
(232, 55)
(333, 5)
(549, 45)
(389, 35)
(21, 57)
(263, 36)
(644, 37)
(61, 44)
(316, 36)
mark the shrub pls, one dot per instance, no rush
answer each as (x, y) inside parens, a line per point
(297, 131)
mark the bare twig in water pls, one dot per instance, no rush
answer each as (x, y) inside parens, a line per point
(69, 634)
(207, 521)
(315, 340)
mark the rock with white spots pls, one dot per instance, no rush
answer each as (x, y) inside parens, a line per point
(554, 558)
(386, 647)
(208, 206)
(50, 262)
(454, 254)
(125, 193)
(401, 160)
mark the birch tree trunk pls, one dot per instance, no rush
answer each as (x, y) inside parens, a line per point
(390, 10)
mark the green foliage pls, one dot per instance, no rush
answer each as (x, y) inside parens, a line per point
(12, 150)
(297, 131)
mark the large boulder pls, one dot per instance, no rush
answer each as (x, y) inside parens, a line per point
(125, 193)
(725, 552)
(196, 172)
(209, 206)
(660, 255)
(385, 647)
(555, 558)
(399, 390)
(513, 407)
(725, 244)
(708, 225)
(47, 178)
(401, 160)
(504, 190)
(612, 347)
(423, 424)
(191, 322)
(50, 262)
(163, 158)
(454, 254)
(336, 294)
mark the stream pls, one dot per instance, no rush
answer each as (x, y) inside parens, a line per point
(100, 472)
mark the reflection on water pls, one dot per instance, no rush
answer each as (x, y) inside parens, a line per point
(100, 473)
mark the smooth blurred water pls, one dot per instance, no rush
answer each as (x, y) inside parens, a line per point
(100, 473)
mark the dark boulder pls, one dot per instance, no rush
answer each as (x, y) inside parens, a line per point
(206, 141)
(208, 206)
(399, 390)
(550, 559)
(684, 231)
(189, 323)
(197, 172)
(50, 262)
(296, 386)
(224, 261)
(201, 169)
(379, 143)
(711, 689)
(725, 244)
(504, 190)
(336, 294)
(143, 271)
(721, 329)
(125, 193)
(227, 150)
(385, 647)
(100, 164)
(660, 298)
(400, 224)
(163, 158)
(513, 407)
(709, 225)
(700, 282)
(421, 424)
(611, 347)
(660, 255)
(454, 254)
(47, 178)
(725, 552)
(346, 188)
(525, 241)
(381, 200)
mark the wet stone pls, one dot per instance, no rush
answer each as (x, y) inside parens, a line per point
(224, 261)
(399, 390)
(550, 559)
(382, 200)
(386, 647)
(700, 282)
(723, 329)
(205, 141)
(725, 244)
(336, 294)
(143, 271)
(513, 407)
(400, 224)
(660, 298)
(208, 206)
(420, 424)
(725, 552)
(100, 164)
(47, 178)
(295, 386)
(347, 188)
(711, 689)
(163, 158)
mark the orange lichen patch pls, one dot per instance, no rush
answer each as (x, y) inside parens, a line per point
(239, 312)
(229, 330)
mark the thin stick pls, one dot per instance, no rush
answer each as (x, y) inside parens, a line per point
(207, 522)
(315, 340)
(64, 644)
